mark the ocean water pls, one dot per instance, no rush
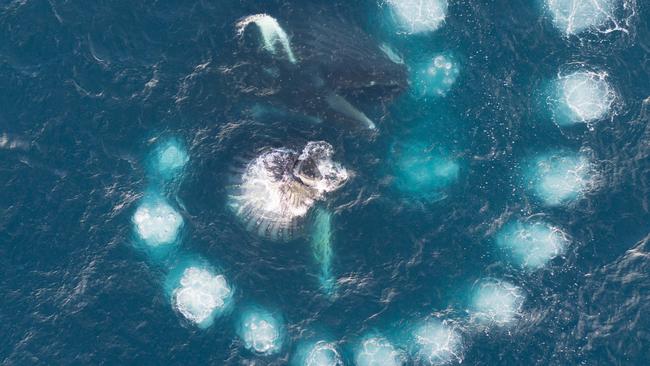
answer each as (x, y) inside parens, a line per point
(93, 93)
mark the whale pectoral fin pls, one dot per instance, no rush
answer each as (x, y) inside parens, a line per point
(321, 240)
(342, 106)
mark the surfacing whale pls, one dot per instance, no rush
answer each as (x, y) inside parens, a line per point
(278, 188)
(322, 66)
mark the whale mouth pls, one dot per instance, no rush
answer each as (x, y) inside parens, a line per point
(306, 171)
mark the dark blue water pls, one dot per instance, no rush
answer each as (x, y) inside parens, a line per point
(88, 90)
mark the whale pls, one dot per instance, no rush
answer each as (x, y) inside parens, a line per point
(321, 66)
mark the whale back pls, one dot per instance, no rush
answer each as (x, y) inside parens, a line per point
(347, 58)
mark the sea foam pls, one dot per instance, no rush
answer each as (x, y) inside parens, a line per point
(201, 295)
(497, 303)
(559, 178)
(532, 244)
(418, 16)
(156, 222)
(261, 331)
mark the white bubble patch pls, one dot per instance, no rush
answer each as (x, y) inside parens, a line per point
(584, 96)
(323, 354)
(200, 294)
(436, 343)
(532, 244)
(497, 303)
(561, 178)
(436, 76)
(378, 351)
(171, 158)
(260, 332)
(156, 222)
(576, 16)
(419, 16)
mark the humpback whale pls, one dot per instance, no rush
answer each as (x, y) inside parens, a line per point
(322, 66)
(276, 190)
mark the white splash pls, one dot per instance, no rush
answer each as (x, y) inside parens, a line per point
(584, 96)
(437, 343)
(419, 16)
(576, 16)
(323, 354)
(561, 178)
(497, 303)
(156, 222)
(378, 351)
(260, 332)
(279, 187)
(532, 244)
(271, 31)
(200, 294)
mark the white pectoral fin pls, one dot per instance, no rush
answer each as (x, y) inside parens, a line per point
(341, 105)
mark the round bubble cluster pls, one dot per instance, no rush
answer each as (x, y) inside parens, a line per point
(419, 16)
(497, 302)
(156, 222)
(260, 332)
(436, 343)
(422, 170)
(201, 295)
(583, 96)
(280, 186)
(560, 178)
(436, 76)
(170, 158)
(320, 353)
(378, 351)
(532, 244)
(576, 16)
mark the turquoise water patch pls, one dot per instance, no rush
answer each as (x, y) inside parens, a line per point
(559, 178)
(422, 170)
(532, 244)
(435, 76)
(168, 159)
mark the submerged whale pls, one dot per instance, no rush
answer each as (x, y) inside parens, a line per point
(276, 190)
(322, 66)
